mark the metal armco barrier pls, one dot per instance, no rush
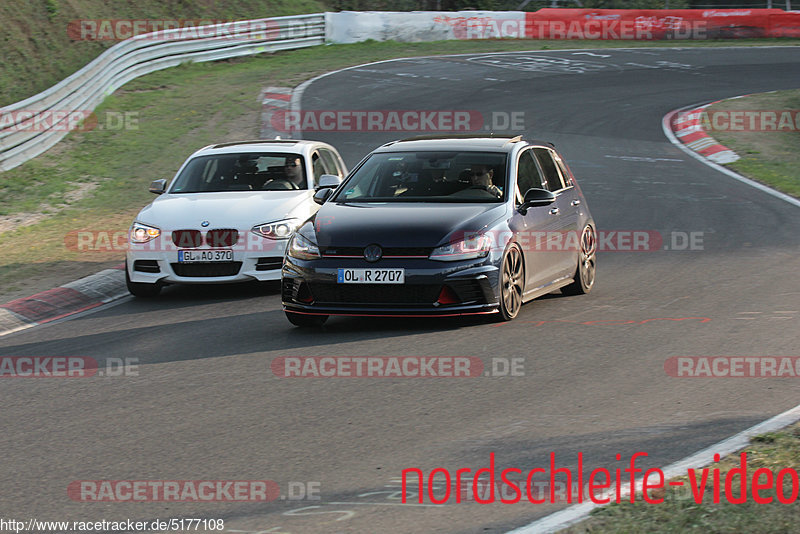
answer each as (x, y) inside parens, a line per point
(85, 89)
(146, 53)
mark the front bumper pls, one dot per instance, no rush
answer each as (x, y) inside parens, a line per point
(161, 266)
(310, 287)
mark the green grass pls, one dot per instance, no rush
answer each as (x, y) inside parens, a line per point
(36, 52)
(768, 157)
(180, 110)
(679, 513)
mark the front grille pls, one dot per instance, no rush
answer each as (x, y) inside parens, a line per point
(187, 238)
(226, 237)
(269, 264)
(230, 268)
(375, 293)
(146, 266)
(407, 251)
(387, 252)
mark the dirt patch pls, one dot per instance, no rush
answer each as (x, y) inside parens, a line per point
(18, 220)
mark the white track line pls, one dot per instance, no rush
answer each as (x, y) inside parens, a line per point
(574, 514)
(665, 126)
(577, 513)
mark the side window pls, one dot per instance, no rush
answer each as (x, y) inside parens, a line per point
(552, 177)
(317, 166)
(331, 164)
(565, 175)
(527, 174)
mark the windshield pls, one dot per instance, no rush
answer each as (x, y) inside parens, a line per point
(242, 172)
(428, 177)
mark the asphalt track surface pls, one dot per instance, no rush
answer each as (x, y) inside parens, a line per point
(205, 404)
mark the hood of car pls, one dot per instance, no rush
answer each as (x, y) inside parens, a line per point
(235, 209)
(400, 224)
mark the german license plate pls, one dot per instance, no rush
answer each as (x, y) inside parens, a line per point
(371, 276)
(204, 256)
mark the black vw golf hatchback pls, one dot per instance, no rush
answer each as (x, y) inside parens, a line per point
(442, 227)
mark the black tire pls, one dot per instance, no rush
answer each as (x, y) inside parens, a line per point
(299, 319)
(585, 271)
(138, 289)
(512, 283)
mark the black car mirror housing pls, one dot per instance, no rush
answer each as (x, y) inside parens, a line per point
(322, 195)
(536, 197)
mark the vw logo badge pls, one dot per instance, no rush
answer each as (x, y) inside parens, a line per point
(373, 253)
(204, 224)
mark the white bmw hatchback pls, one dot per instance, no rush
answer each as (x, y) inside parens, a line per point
(228, 213)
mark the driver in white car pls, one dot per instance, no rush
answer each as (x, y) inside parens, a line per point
(294, 172)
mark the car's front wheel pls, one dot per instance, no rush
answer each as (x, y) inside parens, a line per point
(587, 259)
(138, 289)
(512, 283)
(299, 319)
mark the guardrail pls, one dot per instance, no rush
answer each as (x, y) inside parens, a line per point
(85, 89)
(146, 53)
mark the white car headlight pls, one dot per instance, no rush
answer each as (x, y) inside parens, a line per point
(302, 249)
(276, 230)
(469, 248)
(142, 233)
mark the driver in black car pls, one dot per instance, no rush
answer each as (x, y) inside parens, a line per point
(481, 177)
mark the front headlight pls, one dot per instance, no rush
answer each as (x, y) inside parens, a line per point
(276, 230)
(142, 233)
(472, 247)
(302, 249)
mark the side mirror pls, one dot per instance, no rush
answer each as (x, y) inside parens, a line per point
(322, 194)
(328, 180)
(158, 186)
(536, 197)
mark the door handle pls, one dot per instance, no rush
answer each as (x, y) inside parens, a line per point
(554, 211)
(576, 202)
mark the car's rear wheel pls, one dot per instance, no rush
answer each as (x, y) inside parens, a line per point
(587, 259)
(299, 319)
(138, 289)
(512, 283)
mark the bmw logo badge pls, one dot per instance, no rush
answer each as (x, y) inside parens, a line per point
(204, 224)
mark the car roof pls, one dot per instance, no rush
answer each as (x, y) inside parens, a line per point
(292, 146)
(468, 142)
